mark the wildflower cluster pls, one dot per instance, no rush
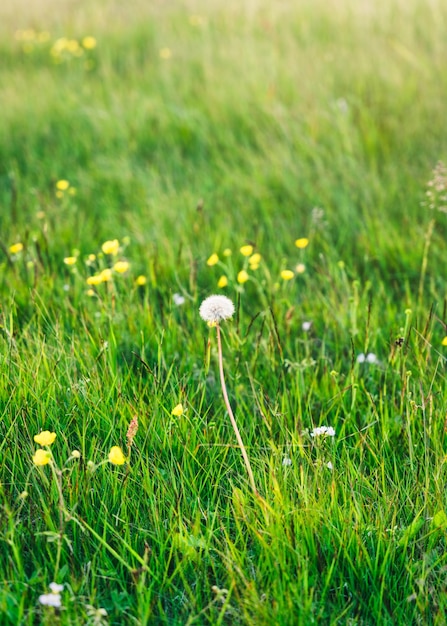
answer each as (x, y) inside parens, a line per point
(63, 188)
(53, 598)
(240, 272)
(436, 194)
(61, 50)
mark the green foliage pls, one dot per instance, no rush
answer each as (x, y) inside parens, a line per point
(185, 133)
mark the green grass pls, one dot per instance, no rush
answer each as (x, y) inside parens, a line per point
(268, 122)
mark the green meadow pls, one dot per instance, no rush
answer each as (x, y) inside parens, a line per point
(289, 156)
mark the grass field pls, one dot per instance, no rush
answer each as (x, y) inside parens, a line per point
(283, 154)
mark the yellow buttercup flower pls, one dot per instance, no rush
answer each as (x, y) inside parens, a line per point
(178, 410)
(242, 277)
(213, 259)
(302, 242)
(222, 282)
(70, 260)
(116, 456)
(444, 341)
(111, 247)
(140, 280)
(255, 259)
(246, 250)
(106, 275)
(16, 248)
(227, 252)
(121, 267)
(96, 279)
(287, 274)
(41, 457)
(89, 42)
(62, 185)
(45, 438)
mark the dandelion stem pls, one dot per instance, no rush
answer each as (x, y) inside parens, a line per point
(232, 418)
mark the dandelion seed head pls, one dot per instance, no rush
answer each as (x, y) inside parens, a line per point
(214, 309)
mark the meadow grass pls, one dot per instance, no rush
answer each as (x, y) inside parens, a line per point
(188, 129)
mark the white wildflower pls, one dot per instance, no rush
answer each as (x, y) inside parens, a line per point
(178, 299)
(214, 309)
(55, 588)
(323, 431)
(286, 461)
(361, 358)
(50, 599)
(306, 326)
(329, 465)
(371, 358)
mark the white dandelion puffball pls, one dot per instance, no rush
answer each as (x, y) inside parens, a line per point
(214, 309)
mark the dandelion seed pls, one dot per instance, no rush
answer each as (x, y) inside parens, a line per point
(213, 260)
(242, 277)
(214, 309)
(222, 282)
(121, 267)
(178, 299)
(116, 456)
(50, 599)
(178, 410)
(45, 438)
(303, 242)
(111, 247)
(41, 457)
(62, 185)
(323, 431)
(140, 280)
(287, 274)
(55, 588)
(246, 250)
(16, 248)
(70, 260)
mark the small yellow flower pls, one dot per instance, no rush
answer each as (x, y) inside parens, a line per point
(96, 279)
(302, 242)
(222, 282)
(70, 260)
(140, 280)
(16, 248)
(242, 277)
(89, 42)
(45, 438)
(227, 252)
(90, 293)
(59, 194)
(300, 268)
(111, 247)
(106, 275)
(444, 341)
(62, 185)
(287, 274)
(41, 457)
(121, 267)
(213, 259)
(116, 456)
(255, 259)
(178, 410)
(246, 250)
(165, 53)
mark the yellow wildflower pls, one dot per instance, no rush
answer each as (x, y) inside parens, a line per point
(246, 250)
(41, 457)
(302, 242)
(140, 280)
(89, 42)
(287, 274)
(165, 53)
(45, 438)
(90, 293)
(213, 259)
(70, 260)
(116, 456)
(121, 267)
(16, 248)
(444, 341)
(255, 259)
(106, 275)
(178, 410)
(111, 247)
(242, 277)
(222, 282)
(62, 185)
(96, 279)
(227, 252)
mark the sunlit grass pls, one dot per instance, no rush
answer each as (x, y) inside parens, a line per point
(279, 154)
